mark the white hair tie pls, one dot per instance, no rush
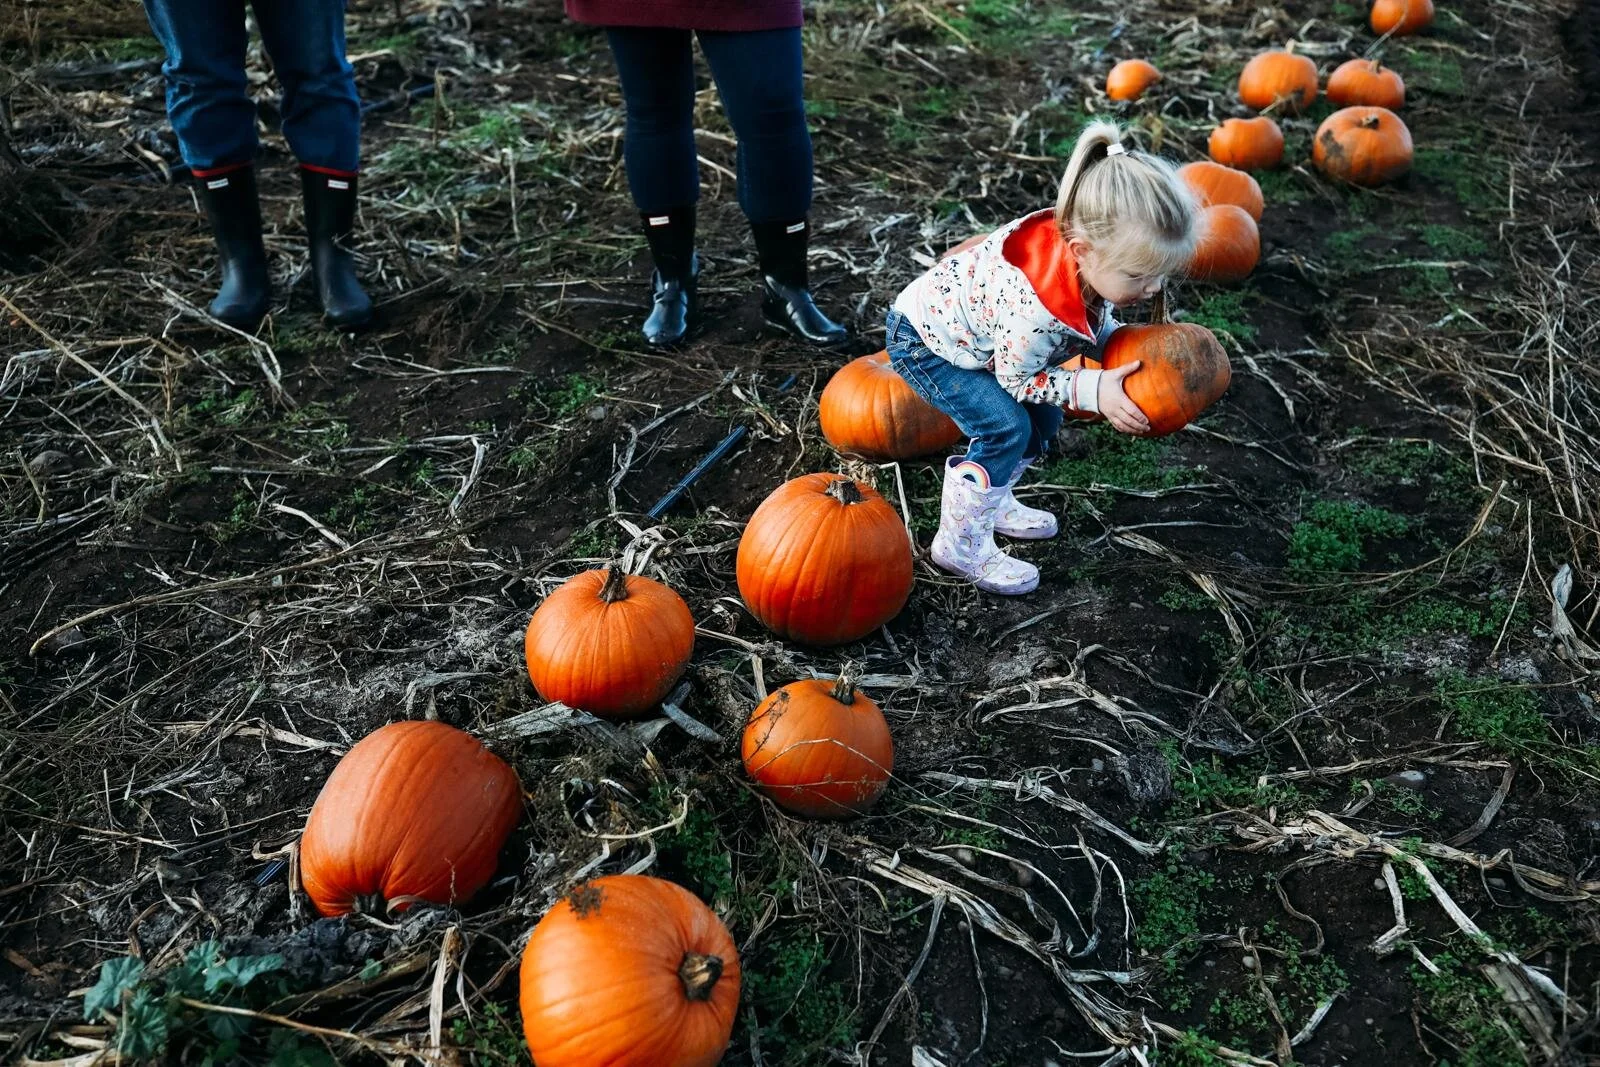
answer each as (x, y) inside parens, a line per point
(1116, 149)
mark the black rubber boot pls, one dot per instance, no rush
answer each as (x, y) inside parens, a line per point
(786, 294)
(234, 212)
(330, 201)
(675, 306)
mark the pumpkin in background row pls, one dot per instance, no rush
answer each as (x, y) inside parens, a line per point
(824, 560)
(1400, 17)
(1247, 144)
(1184, 371)
(609, 643)
(1229, 245)
(819, 748)
(1366, 82)
(1363, 146)
(868, 410)
(629, 971)
(1279, 78)
(415, 810)
(1129, 79)
(1213, 183)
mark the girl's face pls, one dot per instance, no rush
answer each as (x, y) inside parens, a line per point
(1114, 285)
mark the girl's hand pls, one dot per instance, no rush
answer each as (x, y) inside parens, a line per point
(1123, 414)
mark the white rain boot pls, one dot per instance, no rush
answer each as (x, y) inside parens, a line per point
(965, 542)
(1015, 519)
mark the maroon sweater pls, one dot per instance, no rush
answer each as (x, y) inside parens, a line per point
(689, 14)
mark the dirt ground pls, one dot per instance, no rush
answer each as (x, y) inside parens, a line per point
(1293, 757)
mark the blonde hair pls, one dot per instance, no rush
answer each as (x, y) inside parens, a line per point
(1130, 206)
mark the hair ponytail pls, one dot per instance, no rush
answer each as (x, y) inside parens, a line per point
(1130, 205)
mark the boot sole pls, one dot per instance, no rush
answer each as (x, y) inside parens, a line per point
(781, 323)
(1029, 535)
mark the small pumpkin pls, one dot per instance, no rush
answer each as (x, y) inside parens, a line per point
(1184, 371)
(1247, 144)
(1229, 246)
(414, 811)
(1366, 82)
(868, 410)
(1362, 145)
(1400, 17)
(1279, 78)
(819, 748)
(1129, 79)
(629, 971)
(609, 643)
(1213, 183)
(824, 560)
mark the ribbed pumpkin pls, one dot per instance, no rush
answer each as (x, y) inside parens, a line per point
(1281, 78)
(824, 560)
(1213, 183)
(1184, 371)
(819, 749)
(1366, 82)
(629, 971)
(1363, 146)
(1129, 79)
(1229, 247)
(1400, 17)
(868, 410)
(609, 643)
(416, 810)
(1248, 144)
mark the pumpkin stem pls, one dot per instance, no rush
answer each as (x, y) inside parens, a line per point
(844, 686)
(616, 585)
(1158, 307)
(1370, 122)
(699, 975)
(845, 491)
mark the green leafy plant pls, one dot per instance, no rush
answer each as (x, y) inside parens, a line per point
(1334, 534)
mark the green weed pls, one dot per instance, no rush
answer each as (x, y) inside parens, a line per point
(803, 1012)
(1434, 72)
(1224, 312)
(1191, 1049)
(1452, 241)
(1184, 598)
(1334, 535)
(1475, 177)
(492, 1038)
(1468, 1008)
(1167, 901)
(1118, 460)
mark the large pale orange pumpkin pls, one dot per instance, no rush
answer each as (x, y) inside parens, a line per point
(1279, 78)
(1213, 183)
(1363, 146)
(1229, 245)
(1248, 144)
(1129, 79)
(629, 971)
(824, 560)
(415, 811)
(1184, 371)
(868, 410)
(819, 748)
(609, 643)
(1401, 17)
(1366, 82)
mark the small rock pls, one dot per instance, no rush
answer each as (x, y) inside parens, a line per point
(73, 640)
(1408, 779)
(1249, 963)
(1002, 971)
(964, 856)
(1590, 824)
(1211, 964)
(598, 413)
(1520, 669)
(1023, 875)
(1496, 883)
(1380, 885)
(49, 463)
(1146, 776)
(1097, 765)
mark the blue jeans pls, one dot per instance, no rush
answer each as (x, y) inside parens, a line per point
(1004, 430)
(758, 78)
(207, 102)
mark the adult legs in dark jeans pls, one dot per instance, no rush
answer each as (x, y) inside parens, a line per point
(758, 79)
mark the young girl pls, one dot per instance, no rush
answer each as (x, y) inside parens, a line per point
(982, 336)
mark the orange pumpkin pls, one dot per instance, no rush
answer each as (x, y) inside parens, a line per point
(1366, 82)
(1229, 245)
(1247, 144)
(1213, 183)
(1283, 79)
(1184, 371)
(1129, 79)
(819, 748)
(868, 410)
(629, 971)
(1401, 17)
(416, 810)
(824, 560)
(609, 643)
(1362, 145)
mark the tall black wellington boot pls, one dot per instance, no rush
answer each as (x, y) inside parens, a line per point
(330, 201)
(234, 212)
(675, 306)
(786, 294)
